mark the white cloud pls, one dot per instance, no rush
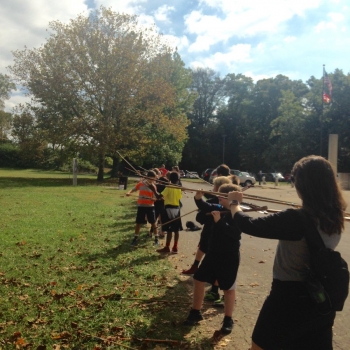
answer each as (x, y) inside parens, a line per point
(236, 53)
(24, 23)
(162, 13)
(257, 77)
(289, 39)
(15, 100)
(174, 41)
(123, 6)
(242, 19)
(336, 16)
(202, 43)
(333, 24)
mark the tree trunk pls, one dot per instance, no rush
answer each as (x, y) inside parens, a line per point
(115, 167)
(101, 167)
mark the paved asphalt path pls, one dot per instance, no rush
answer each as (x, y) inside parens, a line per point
(255, 272)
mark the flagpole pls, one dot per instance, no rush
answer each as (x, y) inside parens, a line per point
(321, 121)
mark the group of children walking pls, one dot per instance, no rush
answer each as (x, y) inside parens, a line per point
(220, 239)
(159, 201)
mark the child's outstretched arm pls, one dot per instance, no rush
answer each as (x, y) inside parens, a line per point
(198, 195)
(129, 192)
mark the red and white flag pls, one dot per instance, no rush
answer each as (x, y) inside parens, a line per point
(327, 85)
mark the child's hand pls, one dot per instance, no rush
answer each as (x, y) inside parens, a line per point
(216, 215)
(235, 196)
(128, 194)
(198, 195)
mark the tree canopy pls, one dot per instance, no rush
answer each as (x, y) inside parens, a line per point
(266, 125)
(6, 85)
(102, 80)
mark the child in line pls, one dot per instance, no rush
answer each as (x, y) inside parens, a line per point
(207, 221)
(172, 197)
(221, 260)
(145, 205)
(159, 203)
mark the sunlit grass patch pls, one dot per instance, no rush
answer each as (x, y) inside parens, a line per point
(68, 275)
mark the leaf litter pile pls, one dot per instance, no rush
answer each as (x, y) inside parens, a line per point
(69, 278)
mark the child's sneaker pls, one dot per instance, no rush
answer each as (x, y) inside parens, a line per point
(193, 318)
(227, 325)
(135, 242)
(156, 241)
(211, 296)
(163, 250)
(190, 271)
(219, 302)
(174, 250)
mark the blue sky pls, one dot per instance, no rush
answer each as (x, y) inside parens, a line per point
(254, 37)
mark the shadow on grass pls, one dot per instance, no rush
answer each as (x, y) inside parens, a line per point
(10, 182)
(124, 216)
(165, 313)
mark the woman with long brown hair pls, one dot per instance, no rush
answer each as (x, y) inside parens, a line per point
(288, 319)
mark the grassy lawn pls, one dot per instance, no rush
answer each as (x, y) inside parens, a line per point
(69, 278)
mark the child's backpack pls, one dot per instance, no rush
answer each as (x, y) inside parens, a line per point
(191, 226)
(328, 280)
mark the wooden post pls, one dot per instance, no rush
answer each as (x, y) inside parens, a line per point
(333, 151)
(75, 171)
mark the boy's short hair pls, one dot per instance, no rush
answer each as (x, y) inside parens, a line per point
(226, 188)
(156, 171)
(223, 170)
(220, 180)
(174, 177)
(234, 179)
(151, 174)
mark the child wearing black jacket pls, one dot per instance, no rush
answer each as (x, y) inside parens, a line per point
(221, 260)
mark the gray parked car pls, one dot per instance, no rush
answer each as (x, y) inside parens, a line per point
(245, 179)
(192, 175)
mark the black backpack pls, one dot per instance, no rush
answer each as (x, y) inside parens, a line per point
(328, 279)
(191, 226)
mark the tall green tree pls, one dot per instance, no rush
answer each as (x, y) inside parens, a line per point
(5, 125)
(6, 85)
(104, 79)
(210, 96)
(199, 150)
(289, 132)
(263, 109)
(231, 119)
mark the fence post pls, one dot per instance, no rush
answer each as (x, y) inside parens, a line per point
(75, 171)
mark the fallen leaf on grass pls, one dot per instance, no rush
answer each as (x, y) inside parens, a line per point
(62, 335)
(21, 343)
(15, 335)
